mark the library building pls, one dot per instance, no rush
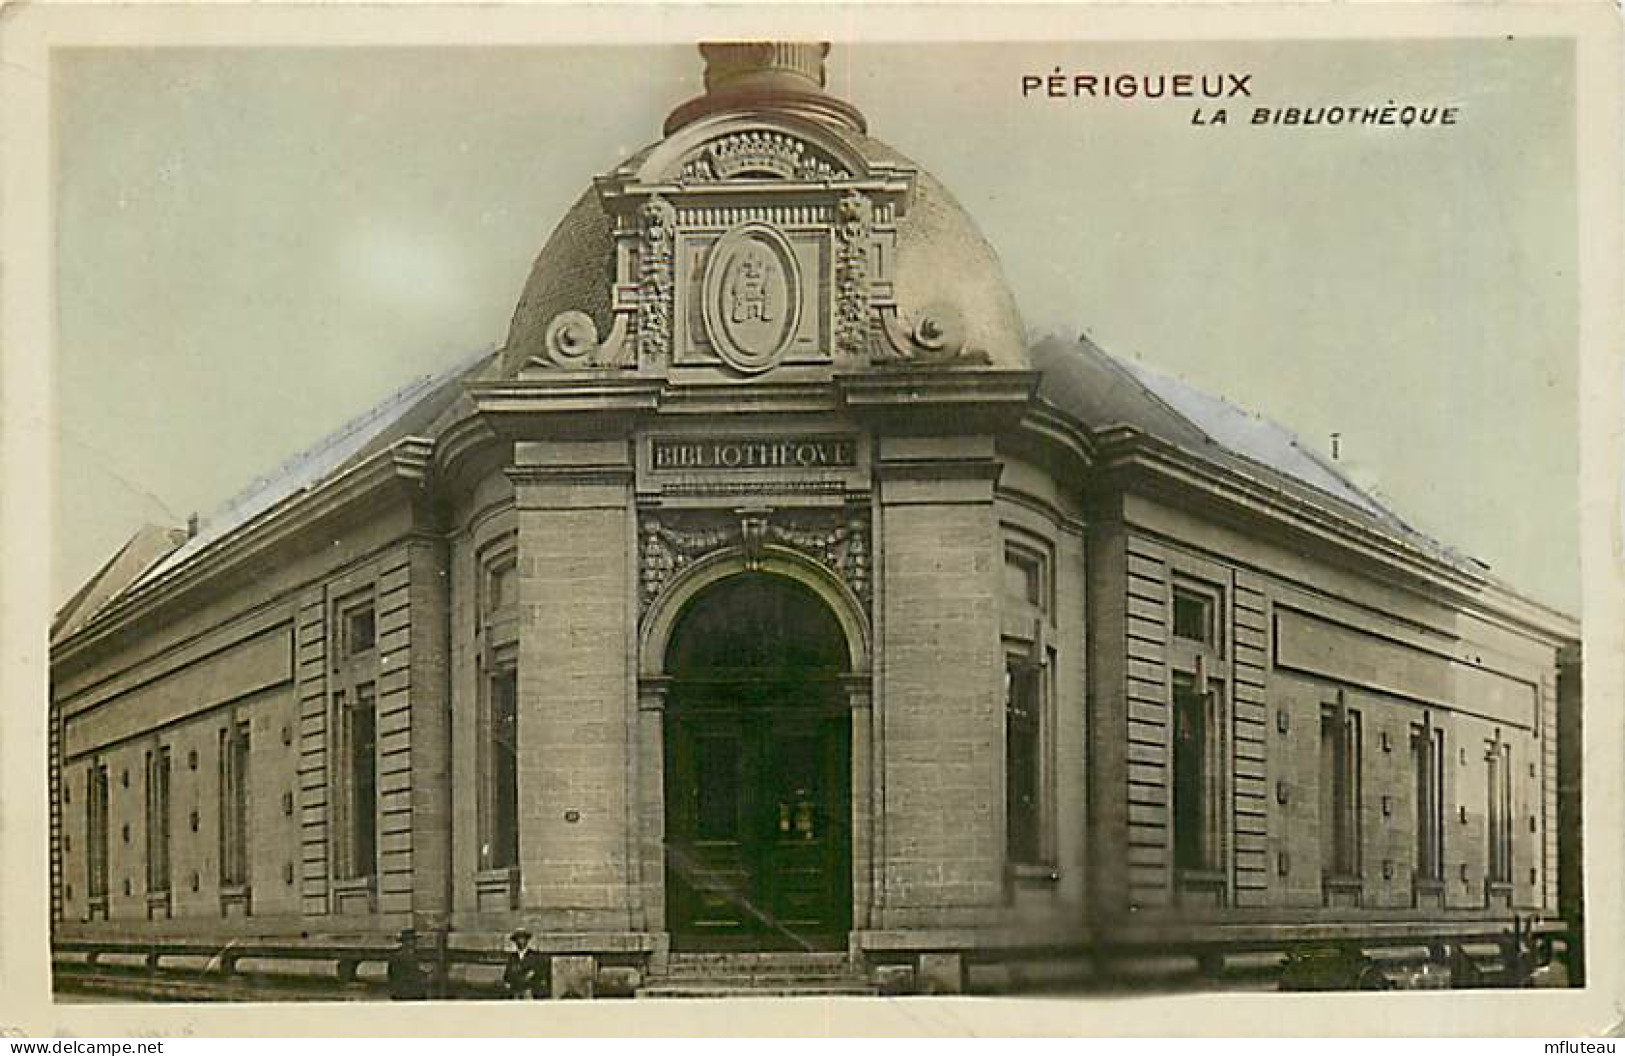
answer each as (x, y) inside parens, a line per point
(769, 613)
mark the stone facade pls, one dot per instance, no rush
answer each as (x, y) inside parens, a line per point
(1025, 582)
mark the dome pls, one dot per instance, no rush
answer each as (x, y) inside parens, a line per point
(942, 256)
(941, 267)
(574, 272)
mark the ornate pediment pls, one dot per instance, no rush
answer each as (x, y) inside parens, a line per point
(743, 246)
(760, 154)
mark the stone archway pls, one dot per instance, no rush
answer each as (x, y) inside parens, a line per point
(757, 735)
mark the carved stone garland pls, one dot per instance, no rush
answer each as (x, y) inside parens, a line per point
(656, 260)
(853, 223)
(670, 542)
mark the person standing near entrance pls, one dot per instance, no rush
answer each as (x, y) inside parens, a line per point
(526, 973)
(406, 982)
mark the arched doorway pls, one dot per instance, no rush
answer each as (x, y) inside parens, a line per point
(757, 770)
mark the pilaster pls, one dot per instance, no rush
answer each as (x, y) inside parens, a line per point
(939, 718)
(576, 699)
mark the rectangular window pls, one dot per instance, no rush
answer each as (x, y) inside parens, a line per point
(497, 756)
(1198, 776)
(1199, 730)
(353, 737)
(1498, 756)
(360, 630)
(1196, 616)
(1024, 577)
(96, 826)
(158, 821)
(358, 784)
(234, 834)
(1023, 765)
(501, 588)
(501, 844)
(1427, 772)
(1339, 792)
(1028, 628)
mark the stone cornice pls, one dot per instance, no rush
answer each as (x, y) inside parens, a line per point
(936, 400)
(614, 474)
(1513, 609)
(1064, 445)
(564, 392)
(401, 468)
(758, 191)
(566, 406)
(938, 469)
(802, 397)
(1139, 460)
(461, 443)
(1145, 458)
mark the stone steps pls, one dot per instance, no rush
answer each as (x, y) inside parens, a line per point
(716, 975)
(132, 986)
(688, 964)
(716, 991)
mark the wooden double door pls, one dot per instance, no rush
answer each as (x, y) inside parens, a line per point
(758, 846)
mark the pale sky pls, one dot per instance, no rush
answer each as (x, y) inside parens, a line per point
(255, 245)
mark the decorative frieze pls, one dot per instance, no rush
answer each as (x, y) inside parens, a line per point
(786, 215)
(667, 544)
(671, 541)
(759, 154)
(752, 488)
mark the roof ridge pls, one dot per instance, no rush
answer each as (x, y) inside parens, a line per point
(326, 443)
(311, 467)
(392, 405)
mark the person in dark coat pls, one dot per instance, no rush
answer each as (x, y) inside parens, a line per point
(406, 981)
(1549, 971)
(526, 973)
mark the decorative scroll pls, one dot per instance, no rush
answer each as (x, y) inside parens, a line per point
(657, 255)
(758, 154)
(572, 343)
(572, 338)
(837, 539)
(854, 222)
(937, 337)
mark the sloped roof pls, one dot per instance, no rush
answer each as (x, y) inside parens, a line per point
(149, 544)
(1076, 376)
(1105, 391)
(412, 410)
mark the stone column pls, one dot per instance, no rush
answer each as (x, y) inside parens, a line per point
(865, 823)
(576, 692)
(939, 713)
(651, 806)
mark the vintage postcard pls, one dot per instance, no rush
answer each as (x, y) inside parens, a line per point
(847, 520)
